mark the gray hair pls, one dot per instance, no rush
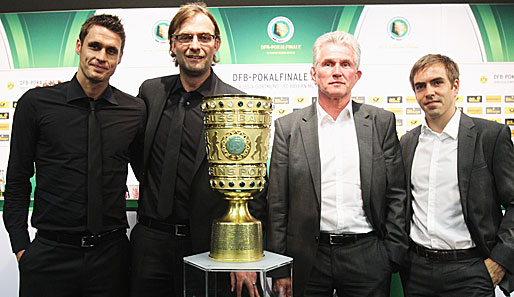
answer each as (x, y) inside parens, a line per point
(337, 37)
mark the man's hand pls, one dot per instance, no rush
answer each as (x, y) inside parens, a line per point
(18, 255)
(249, 279)
(282, 285)
(496, 271)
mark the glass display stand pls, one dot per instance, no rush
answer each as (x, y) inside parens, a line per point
(202, 266)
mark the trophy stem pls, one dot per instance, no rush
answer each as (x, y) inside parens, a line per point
(237, 236)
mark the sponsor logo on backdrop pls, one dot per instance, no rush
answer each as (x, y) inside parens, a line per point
(4, 115)
(413, 122)
(4, 104)
(280, 112)
(398, 28)
(509, 110)
(14, 104)
(281, 100)
(314, 99)
(10, 85)
(133, 192)
(4, 126)
(160, 31)
(509, 122)
(474, 99)
(394, 99)
(493, 99)
(413, 110)
(493, 110)
(4, 137)
(475, 110)
(461, 109)
(484, 79)
(280, 29)
(495, 120)
(460, 99)
(399, 122)
(358, 99)
(375, 99)
(396, 110)
(301, 100)
(509, 98)
(411, 99)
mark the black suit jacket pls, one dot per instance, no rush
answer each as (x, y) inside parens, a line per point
(485, 162)
(294, 193)
(205, 204)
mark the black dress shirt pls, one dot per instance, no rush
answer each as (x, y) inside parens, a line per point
(191, 133)
(50, 130)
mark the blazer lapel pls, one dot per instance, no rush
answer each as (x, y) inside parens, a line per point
(309, 132)
(364, 131)
(155, 109)
(409, 151)
(465, 156)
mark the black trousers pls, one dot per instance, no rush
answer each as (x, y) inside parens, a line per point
(429, 278)
(52, 269)
(158, 267)
(358, 269)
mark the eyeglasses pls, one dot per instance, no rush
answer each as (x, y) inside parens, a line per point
(203, 38)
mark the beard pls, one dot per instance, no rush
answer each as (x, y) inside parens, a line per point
(194, 69)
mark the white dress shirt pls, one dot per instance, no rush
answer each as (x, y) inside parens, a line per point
(341, 200)
(438, 220)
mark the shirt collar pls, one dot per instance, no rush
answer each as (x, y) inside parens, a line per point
(203, 89)
(76, 92)
(451, 129)
(324, 117)
(196, 96)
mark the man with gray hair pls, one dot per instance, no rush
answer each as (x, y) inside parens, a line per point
(336, 197)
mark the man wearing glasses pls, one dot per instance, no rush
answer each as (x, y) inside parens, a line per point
(177, 204)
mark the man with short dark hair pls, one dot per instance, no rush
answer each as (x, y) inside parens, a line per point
(176, 204)
(80, 135)
(459, 173)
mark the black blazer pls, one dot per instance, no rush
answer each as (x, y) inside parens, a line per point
(205, 204)
(485, 162)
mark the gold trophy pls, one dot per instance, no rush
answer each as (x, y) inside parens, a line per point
(237, 130)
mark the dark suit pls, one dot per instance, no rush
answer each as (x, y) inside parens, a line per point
(485, 164)
(204, 204)
(294, 193)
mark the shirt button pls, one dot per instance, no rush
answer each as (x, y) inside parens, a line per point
(188, 103)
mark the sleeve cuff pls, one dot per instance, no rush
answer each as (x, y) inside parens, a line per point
(504, 256)
(19, 241)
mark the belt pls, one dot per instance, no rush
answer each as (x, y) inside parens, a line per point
(342, 239)
(444, 255)
(180, 230)
(85, 241)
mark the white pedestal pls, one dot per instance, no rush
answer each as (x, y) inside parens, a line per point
(211, 268)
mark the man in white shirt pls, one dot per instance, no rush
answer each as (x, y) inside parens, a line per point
(459, 173)
(336, 196)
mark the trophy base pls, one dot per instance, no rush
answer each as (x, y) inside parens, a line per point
(237, 236)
